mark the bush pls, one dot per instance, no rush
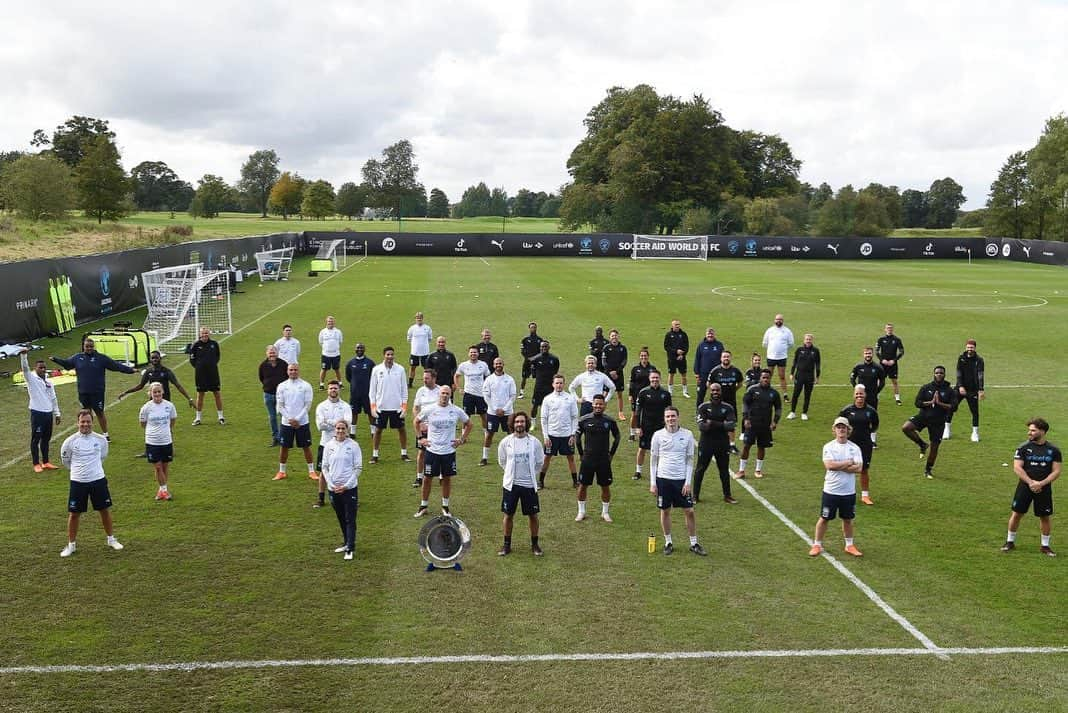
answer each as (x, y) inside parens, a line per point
(696, 221)
(176, 233)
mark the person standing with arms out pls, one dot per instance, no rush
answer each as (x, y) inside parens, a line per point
(342, 464)
(935, 400)
(443, 362)
(715, 420)
(288, 346)
(91, 367)
(425, 396)
(499, 392)
(441, 443)
(204, 356)
(648, 417)
(529, 347)
(475, 372)
(594, 430)
(842, 459)
(805, 373)
(157, 373)
(676, 347)
(761, 410)
(419, 337)
(778, 340)
(706, 357)
(487, 350)
(970, 381)
(889, 348)
(671, 478)
(520, 455)
(330, 339)
(614, 359)
(157, 418)
(870, 375)
(293, 399)
(589, 384)
(863, 423)
(597, 345)
(44, 411)
(273, 371)
(84, 453)
(389, 403)
(327, 415)
(730, 379)
(559, 424)
(544, 367)
(1037, 463)
(358, 374)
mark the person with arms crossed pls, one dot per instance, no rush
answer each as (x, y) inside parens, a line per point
(44, 411)
(935, 400)
(330, 340)
(529, 347)
(761, 410)
(889, 348)
(559, 424)
(863, 423)
(597, 439)
(425, 396)
(157, 418)
(520, 456)
(204, 356)
(288, 346)
(589, 384)
(358, 374)
(805, 373)
(441, 443)
(778, 340)
(327, 415)
(671, 477)
(706, 357)
(487, 350)
(716, 421)
(273, 371)
(293, 399)
(444, 364)
(342, 464)
(499, 392)
(419, 337)
(389, 403)
(676, 347)
(1037, 463)
(474, 372)
(970, 387)
(648, 417)
(91, 368)
(544, 367)
(84, 453)
(843, 460)
(614, 359)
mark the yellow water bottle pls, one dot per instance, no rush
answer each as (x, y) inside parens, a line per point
(652, 543)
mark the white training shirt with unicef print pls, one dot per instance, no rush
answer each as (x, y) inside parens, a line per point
(157, 419)
(441, 427)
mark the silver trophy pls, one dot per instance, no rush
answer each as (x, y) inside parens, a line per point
(443, 542)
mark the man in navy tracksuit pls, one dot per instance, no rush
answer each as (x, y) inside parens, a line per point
(706, 358)
(91, 367)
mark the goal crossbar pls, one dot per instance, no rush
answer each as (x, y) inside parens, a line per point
(183, 299)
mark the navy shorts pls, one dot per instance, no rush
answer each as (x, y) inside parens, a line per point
(360, 404)
(843, 506)
(518, 495)
(301, 434)
(94, 401)
(775, 362)
(440, 465)
(599, 470)
(333, 362)
(159, 454)
(759, 436)
(669, 494)
(474, 404)
(389, 419)
(560, 446)
(496, 423)
(414, 360)
(1043, 500)
(82, 493)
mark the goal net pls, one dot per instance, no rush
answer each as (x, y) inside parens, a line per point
(330, 257)
(669, 247)
(274, 264)
(183, 299)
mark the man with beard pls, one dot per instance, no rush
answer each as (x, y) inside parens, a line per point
(614, 361)
(529, 347)
(444, 364)
(970, 381)
(597, 345)
(597, 440)
(1037, 463)
(761, 410)
(706, 357)
(730, 378)
(520, 455)
(648, 417)
(863, 423)
(871, 375)
(715, 420)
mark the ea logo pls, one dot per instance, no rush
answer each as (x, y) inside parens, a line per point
(865, 249)
(389, 244)
(991, 250)
(1006, 249)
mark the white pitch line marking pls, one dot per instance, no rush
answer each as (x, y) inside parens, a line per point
(531, 658)
(868, 591)
(484, 261)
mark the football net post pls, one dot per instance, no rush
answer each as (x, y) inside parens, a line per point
(330, 257)
(274, 264)
(669, 247)
(184, 299)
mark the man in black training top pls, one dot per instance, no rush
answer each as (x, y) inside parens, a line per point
(204, 355)
(752, 374)
(761, 411)
(529, 347)
(487, 350)
(597, 345)
(869, 373)
(889, 349)
(863, 422)
(648, 417)
(444, 364)
(543, 367)
(730, 378)
(935, 400)
(639, 379)
(614, 359)
(715, 421)
(805, 372)
(597, 439)
(676, 347)
(1037, 464)
(970, 382)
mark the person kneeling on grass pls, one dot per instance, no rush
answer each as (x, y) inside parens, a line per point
(521, 456)
(843, 460)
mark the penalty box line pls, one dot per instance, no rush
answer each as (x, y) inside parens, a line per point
(530, 658)
(70, 429)
(845, 572)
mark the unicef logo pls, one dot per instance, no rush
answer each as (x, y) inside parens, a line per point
(105, 281)
(732, 247)
(389, 244)
(865, 249)
(991, 250)
(1006, 249)
(604, 245)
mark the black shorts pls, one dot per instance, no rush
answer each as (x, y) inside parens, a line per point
(1023, 498)
(301, 434)
(759, 436)
(560, 446)
(528, 368)
(389, 419)
(775, 362)
(585, 407)
(645, 441)
(159, 454)
(82, 493)
(540, 392)
(676, 365)
(669, 494)
(891, 371)
(474, 404)
(94, 401)
(527, 497)
(601, 470)
(439, 465)
(360, 404)
(843, 506)
(207, 378)
(866, 451)
(496, 423)
(414, 360)
(333, 362)
(618, 383)
(934, 428)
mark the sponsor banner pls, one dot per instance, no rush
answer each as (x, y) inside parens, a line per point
(1045, 252)
(480, 245)
(809, 248)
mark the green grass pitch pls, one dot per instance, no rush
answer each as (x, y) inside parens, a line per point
(240, 568)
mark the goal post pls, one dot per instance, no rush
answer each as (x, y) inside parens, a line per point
(331, 256)
(274, 264)
(182, 300)
(669, 247)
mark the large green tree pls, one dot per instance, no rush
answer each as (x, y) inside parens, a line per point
(101, 182)
(318, 200)
(156, 186)
(1047, 166)
(287, 194)
(211, 197)
(392, 180)
(913, 208)
(1009, 207)
(351, 200)
(258, 175)
(475, 201)
(37, 187)
(768, 165)
(70, 140)
(438, 204)
(944, 199)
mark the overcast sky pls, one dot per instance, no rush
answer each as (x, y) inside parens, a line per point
(900, 93)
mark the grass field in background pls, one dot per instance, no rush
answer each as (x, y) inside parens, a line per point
(238, 567)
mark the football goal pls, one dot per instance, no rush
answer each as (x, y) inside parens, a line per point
(274, 264)
(669, 247)
(183, 299)
(330, 257)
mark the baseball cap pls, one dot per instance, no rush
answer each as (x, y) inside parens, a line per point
(843, 421)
